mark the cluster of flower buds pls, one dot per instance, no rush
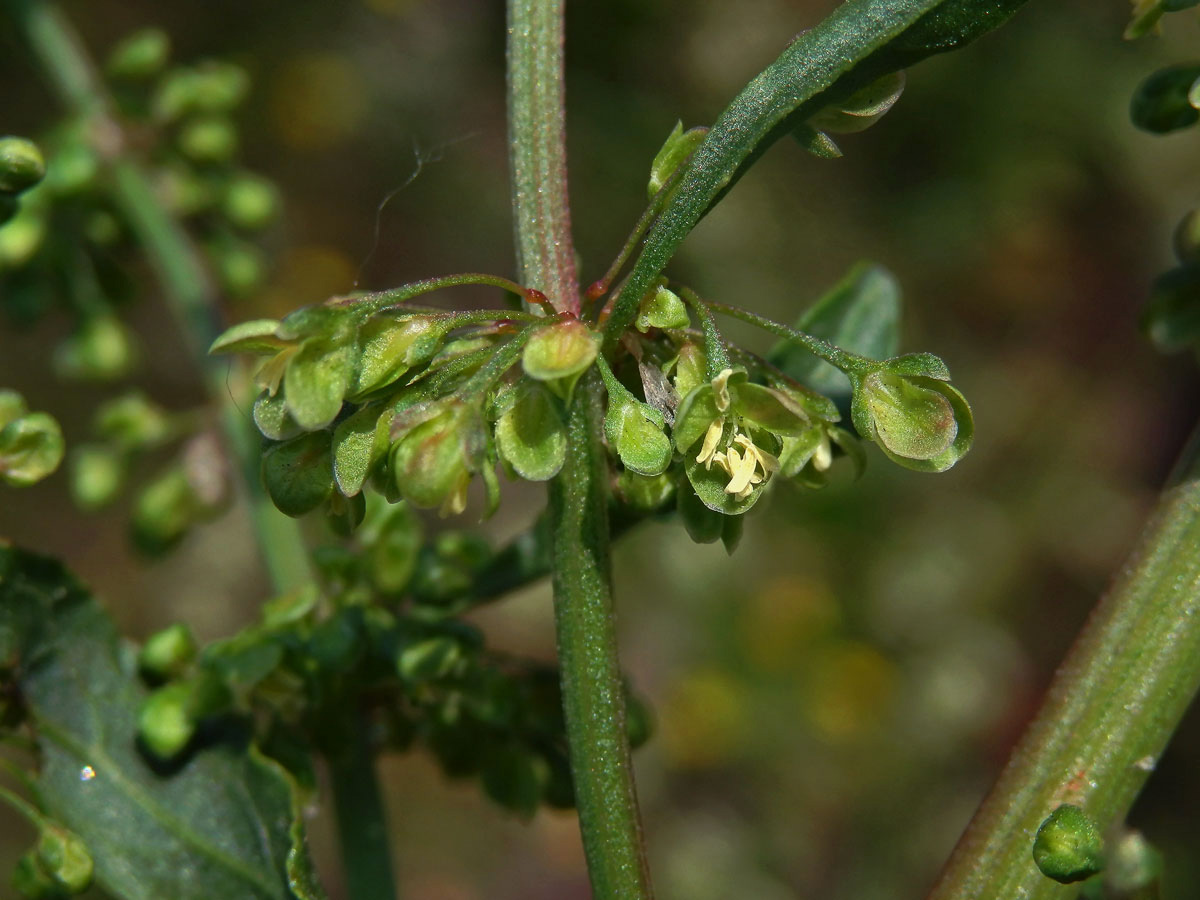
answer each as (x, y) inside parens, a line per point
(31, 443)
(433, 681)
(1168, 101)
(69, 242)
(59, 865)
(191, 488)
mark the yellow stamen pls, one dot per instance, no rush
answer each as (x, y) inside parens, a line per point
(720, 386)
(712, 437)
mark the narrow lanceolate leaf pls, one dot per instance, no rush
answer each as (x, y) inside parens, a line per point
(225, 824)
(858, 32)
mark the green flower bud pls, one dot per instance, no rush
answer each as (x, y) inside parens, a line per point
(65, 858)
(661, 308)
(73, 170)
(139, 56)
(634, 430)
(133, 422)
(560, 353)
(31, 448)
(210, 140)
(163, 512)
(432, 462)
(21, 165)
(532, 436)
(430, 659)
(241, 268)
(21, 237)
(678, 146)
(101, 350)
(1068, 846)
(214, 87)
(1162, 103)
(919, 422)
(97, 473)
(168, 718)
(31, 881)
(167, 653)
(298, 474)
(1172, 317)
(1134, 867)
(12, 406)
(251, 202)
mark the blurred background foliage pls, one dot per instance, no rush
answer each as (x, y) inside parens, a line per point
(831, 701)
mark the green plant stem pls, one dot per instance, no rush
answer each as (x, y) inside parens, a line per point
(1109, 712)
(361, 818)
(593, 694)
(538, 151)
(187, 286)
(716, 354)
(380, 300)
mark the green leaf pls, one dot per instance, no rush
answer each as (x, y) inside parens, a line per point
(1162, 103)
(861, 313)
(316, 380)
(360, 443)
(255, 336)
(532, 436)
(812, 63)
(227, 823)
(31, 447)
(298, 474)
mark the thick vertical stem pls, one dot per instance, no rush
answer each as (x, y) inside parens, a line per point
(1108, 715)
(538, 150)
(361, 818)
(593, 693)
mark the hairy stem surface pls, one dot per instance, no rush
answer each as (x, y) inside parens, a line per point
(1109, 712)
(593, 695)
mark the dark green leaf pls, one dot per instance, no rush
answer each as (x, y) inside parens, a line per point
(226, 824)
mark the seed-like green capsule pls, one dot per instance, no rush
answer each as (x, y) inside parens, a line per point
(21, 165)
(167, 653)
(140, 56)
(1068, 846)
(211, 140)
(251, 202)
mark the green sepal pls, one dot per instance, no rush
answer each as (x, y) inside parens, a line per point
(678, 146)
(709, 484)
(1172, 317)
(1069, 846)
(393, 553)
(237, 665)
(646, 493)
(560, 353)
(255, 336)
(634, 430)
(768, 408)
(1161, 102)
(360, 444)
(818, 143)
(691, 366)
(703, 525)
(695, 413)
(344, 514)
(273, 419)
(389, 347)
(31, 448)
(32, 882)
(21, 165)
(298, 474)
(661, 308)
(731, 532)
(811, 445)
(920, 423)
(532, 436)
(925, 365)
(863, 108)
(316, 380)
(64, 856)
